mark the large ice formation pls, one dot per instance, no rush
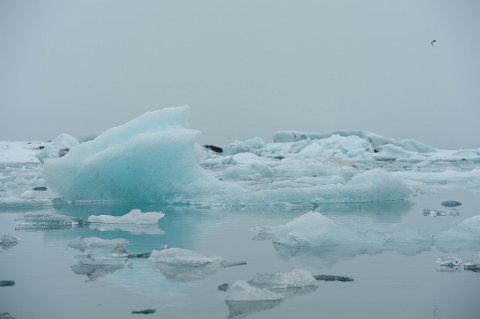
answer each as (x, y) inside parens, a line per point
(150, 158)
(155, 158)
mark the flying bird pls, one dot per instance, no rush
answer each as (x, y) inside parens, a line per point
(432, 42)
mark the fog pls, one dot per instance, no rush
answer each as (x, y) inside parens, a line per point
(247, 67)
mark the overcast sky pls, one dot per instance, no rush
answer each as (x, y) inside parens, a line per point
(246, 67)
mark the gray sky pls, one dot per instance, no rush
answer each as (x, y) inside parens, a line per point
(246, 67)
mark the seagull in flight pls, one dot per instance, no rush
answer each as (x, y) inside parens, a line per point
(432, 42)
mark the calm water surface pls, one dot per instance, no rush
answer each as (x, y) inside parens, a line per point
(397, 283)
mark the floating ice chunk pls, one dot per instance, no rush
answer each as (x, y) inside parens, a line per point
(254, 145)
(437, 212)
(314, 229)
(451, 203)
(297, 278)
(182, 257)
(135, 216)
(178, 264)
(6, 315)
(8, 241)
(53, 150)
(449, 263)
(83, 243)
(94, 266)
(473, 265)
(28, 194)
(242, 291)
(150, 158)
(243, 299)
(49, 221)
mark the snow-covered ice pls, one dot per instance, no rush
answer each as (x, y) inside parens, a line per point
(135, 216)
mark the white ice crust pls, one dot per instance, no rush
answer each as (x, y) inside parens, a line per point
(135, 216)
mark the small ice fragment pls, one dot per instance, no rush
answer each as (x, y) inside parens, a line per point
(120, 252)
(7, 283)
(449, 262)
(437, 212)
(28, 195)
(95, 266)
(84, 243)
(182, 257)
(242, 291)
(451, 203)
(144, 312)
(6, 315)
(135, 216)
(297, 278)
(473, 265)
(8, 241)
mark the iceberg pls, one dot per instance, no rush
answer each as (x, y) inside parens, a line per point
(83, 243)
(473, 265)
(151, 158)
(135, 216)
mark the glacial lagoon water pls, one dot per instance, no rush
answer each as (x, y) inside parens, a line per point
(401, 282)
(362, 205)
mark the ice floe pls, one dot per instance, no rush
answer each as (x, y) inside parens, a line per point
(178, 264)
(85, 243)
(94, 266)
(150, 158)
(314, 234)
(135, 216)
